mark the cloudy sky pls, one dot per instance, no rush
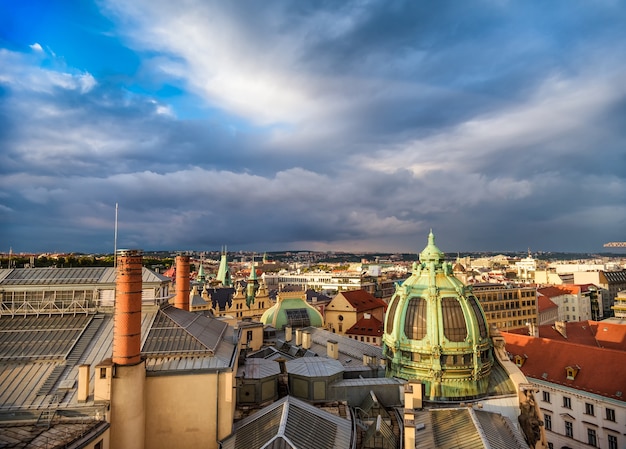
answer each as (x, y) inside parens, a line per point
(321, 125)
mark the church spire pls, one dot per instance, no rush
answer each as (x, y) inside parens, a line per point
(252, 286)
(223, 273)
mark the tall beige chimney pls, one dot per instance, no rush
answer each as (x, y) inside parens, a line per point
(83, 383)
(298, 337)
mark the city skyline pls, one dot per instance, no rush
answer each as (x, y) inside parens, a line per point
(348, 127)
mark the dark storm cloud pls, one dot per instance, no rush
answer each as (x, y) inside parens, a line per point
(326, 125)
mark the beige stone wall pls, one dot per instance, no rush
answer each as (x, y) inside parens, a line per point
(340, 307)
(101, 442)
(256, 332)
(188, 410)
(128, 407)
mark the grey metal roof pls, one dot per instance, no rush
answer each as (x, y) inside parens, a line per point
(348, 348)
(368, 381)
(36, 338)
(53, 276)
(499, 431)
(257, 368)
(290, 423)
(69, 276)
(177, 331)
(147, 276)
(455, 429)
(615, 276)
(40, 355)
(465, 428)
(314, 367)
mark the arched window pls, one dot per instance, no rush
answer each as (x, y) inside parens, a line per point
(454, 326)
(391, 314)
(415, 319)
(482, 326)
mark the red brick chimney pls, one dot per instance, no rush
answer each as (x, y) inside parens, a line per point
(182, 282)
(127, 318)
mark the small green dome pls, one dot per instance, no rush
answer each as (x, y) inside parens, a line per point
(436, 332)
(292, 310)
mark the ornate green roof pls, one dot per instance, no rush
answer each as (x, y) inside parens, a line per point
(294, 311)
(436, 332)
(223, 273)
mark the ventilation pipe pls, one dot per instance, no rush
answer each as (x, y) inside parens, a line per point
(182, 282)
(83, 383)
(288, 334)
(332, 349)
(306, 340)
(127, 318)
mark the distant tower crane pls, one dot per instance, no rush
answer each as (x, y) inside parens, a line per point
(615, 245)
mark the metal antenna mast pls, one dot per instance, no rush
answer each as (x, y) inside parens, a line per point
(115, 240)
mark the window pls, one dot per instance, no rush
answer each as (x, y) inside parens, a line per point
(591, 437)
(547, 420)
(546, 396)
(589, 409)
(567, 402)
(612, 442)
(550, 445)
(569, 429)
(298, 318)
(610, 414)
(98, 445)
(103, 373)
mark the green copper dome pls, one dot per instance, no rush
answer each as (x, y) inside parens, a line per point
(436, 332)
(293, 310)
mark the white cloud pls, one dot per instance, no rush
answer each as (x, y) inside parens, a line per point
(36, 47)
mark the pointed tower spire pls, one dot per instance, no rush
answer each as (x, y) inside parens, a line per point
(201, 276)
(253, 285)
(223, 273)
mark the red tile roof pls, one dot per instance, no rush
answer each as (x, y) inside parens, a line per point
(367, 326)
(544, 303)
(601, 370)
(610, 335)
(363, 301)
(553, 291)
(590, 333)
(575, 332)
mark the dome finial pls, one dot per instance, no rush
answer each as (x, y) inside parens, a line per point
(431, 253)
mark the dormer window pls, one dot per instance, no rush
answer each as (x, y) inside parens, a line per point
(520, 359)
(571, 371)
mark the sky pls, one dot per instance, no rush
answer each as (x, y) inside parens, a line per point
(312, 125)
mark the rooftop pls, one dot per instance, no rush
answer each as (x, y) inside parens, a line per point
(598, 370)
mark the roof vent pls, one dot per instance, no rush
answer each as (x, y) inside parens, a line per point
(618, 394)
(544, 375)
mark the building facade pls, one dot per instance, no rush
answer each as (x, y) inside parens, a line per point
(580, 387)
(507, 307)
